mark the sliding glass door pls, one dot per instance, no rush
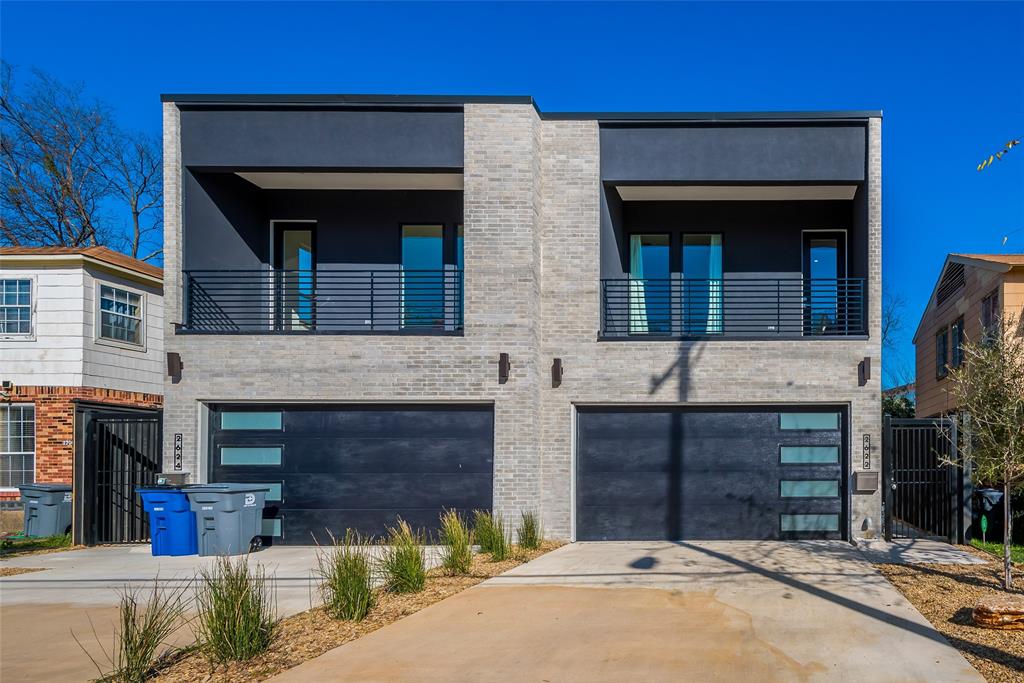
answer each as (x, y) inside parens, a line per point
(702, 284)
(650, 292)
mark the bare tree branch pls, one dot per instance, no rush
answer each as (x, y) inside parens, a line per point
(69, 176)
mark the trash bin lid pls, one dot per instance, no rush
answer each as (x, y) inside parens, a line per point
(55, 488)
(226, 488)
(160, 489)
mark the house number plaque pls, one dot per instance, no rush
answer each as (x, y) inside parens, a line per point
(867, 451)
(177, 452)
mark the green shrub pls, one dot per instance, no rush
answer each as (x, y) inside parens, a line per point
(236, 611)
(456, 544)
(402, 562)
(144, 625)
(529, 534)
(345, 574)
(499, 540)
(483, 530)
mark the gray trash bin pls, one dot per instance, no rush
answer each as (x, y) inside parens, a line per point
(47, 509)
(229, 517)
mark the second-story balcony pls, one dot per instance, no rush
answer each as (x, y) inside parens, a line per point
(322, 301)
(677, 308)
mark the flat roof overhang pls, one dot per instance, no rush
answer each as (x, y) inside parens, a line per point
(753, 193)
(330, 180)
(417, 101)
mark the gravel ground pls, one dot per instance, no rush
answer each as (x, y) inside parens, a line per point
(945, 594)
(312, 633)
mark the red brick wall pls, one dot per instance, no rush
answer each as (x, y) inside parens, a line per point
(55, 424)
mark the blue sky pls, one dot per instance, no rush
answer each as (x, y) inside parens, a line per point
(948, 76)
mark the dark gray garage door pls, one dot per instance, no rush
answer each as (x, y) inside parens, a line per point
(359, 467)
(686, 474)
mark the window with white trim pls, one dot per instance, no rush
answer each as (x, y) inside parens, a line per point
(16, 306)
(17, 444)
(120, 315)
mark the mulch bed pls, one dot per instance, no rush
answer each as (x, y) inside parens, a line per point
(945, 594)
(14, 571)
(312, 633)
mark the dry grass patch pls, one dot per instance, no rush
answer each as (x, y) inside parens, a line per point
(14, 571)
(945, 593)
(310, 634)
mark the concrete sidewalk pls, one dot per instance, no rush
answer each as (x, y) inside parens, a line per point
(709, 611)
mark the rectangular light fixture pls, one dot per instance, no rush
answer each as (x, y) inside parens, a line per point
(503, 368)
(556, 373)
(174, 365)
(864, 371)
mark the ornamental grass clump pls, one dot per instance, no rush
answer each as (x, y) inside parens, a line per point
(456, 544)
(402, 564)
(237, 615)
(345, 573)
(529, 534)
(500, 543)
(145, 623)
(483, 530)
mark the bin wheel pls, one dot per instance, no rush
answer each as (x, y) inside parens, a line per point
(256, 544)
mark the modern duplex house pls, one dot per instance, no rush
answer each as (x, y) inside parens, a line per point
(973, 293)
(639, 325)
(81, 332)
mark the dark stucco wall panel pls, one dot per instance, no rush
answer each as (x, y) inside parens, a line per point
(280, 138)
(767, 153)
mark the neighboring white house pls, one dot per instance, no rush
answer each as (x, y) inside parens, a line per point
(77, 325)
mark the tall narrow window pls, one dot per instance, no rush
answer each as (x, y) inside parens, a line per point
(16, 306)
(941, 353)
(295, 261)
(650, 292)
(702, 284)
(956, 333)
(990, 316)
(17, 444)
(422, 276)
(120, 315)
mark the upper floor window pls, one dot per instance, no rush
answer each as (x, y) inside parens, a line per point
(990, 315)
(120, 315)
(16, 306)
(956, 333)
(941, 353)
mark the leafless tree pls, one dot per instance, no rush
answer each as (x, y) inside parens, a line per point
(132, 167)
(68, 174)
(989, 391)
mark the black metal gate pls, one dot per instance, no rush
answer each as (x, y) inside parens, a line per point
(121, 452)
(925, 492)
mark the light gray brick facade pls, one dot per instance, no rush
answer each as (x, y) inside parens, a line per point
(532, 274)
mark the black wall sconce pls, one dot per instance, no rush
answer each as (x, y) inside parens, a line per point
(174, 366)
(556, 373)
(503, 366)
(864, 371)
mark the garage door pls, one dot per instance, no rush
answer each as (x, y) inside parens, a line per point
(359, 467)
(686, 474)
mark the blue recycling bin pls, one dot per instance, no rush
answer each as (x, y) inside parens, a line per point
(172, 524)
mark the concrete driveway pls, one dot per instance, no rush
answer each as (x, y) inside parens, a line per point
(720, 611)
(41, 613)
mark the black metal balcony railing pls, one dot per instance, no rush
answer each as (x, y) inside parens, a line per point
(323, 301)
(678, 308)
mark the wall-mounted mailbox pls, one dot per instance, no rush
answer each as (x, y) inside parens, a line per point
(865, 482)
